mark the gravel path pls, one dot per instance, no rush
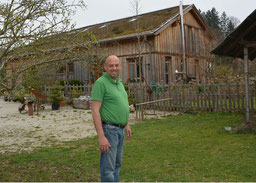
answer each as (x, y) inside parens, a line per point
(23, 133)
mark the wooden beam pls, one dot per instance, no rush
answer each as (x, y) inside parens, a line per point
(251, 44)
(246, 78)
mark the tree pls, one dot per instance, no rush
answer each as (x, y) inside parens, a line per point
(222, 26)
(24, 24)
(223, 23)
(135, 8)
(234, 20)
(230, 27)
(212, 18)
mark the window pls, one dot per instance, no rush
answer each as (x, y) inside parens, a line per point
(133, 19)
(192, 39)
(69, 67)
(196, 43)
(61, 69)
(104, 25)
(167, 71)
(133, 69)
(193, 68)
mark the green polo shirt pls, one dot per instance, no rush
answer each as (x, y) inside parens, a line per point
(115, 106)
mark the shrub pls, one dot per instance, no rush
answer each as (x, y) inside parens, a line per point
(56, 93)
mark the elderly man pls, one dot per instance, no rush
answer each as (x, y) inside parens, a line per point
(110, 112)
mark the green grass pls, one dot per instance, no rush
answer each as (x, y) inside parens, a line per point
(185, 147)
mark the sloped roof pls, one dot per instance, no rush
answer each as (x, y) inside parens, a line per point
(148, 23)
(234, 43)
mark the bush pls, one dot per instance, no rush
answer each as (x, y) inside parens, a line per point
(56, 94)
(75, 82)
(76, 93)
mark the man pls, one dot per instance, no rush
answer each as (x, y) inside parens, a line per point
(110, 112)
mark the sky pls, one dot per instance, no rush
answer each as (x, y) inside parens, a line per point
(99, 11)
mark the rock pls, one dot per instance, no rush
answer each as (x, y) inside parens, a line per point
(81, 103)
(227, 128)
(132, 108)
(4, 116)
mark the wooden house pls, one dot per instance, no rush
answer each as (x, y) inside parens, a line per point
(158, 34)
(153, 37)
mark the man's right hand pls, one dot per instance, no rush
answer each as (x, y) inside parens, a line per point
(104, 144)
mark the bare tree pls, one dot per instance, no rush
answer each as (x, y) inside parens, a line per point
(24, 26)
(135, 7)
(234, 20)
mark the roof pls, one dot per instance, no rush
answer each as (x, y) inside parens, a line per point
(148, 22)
(242, 36)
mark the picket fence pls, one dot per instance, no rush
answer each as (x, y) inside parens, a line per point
(183, 97)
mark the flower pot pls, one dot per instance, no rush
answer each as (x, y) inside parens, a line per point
(55, 106)
(62, 103)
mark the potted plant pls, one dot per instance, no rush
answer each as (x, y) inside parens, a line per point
(75, 94)
(56, 95)
(20, 94)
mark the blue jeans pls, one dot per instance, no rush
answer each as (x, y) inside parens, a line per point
(110, 162)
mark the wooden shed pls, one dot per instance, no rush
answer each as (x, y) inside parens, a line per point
(241, 43)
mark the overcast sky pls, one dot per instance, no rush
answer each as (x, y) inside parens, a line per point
(99, 11)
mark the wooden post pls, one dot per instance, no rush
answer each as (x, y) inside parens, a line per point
(246, 85)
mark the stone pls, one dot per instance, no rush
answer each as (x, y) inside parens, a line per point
(81, 103)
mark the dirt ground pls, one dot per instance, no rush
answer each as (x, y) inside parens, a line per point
(23, 133)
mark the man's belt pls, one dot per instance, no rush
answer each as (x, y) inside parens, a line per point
(113, 124)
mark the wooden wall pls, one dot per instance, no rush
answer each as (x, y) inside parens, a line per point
(129, 49)
(168, 44)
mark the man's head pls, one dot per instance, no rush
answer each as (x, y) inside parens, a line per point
(112, 66)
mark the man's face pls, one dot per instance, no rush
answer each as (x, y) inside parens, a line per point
(112, 67)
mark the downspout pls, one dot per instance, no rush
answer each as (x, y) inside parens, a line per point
(150, 59)
(183, 42)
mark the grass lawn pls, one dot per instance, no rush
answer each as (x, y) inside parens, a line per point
(185, 147)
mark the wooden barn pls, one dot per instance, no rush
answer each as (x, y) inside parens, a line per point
(149, 46)
(156, 38)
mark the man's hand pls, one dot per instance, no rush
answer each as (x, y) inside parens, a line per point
(128, 132)
(104, 144)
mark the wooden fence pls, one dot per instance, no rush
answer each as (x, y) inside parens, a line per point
(209, 97)
(70, 90)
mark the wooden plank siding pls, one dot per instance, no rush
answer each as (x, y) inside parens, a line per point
(166, 44)
(198, 44)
